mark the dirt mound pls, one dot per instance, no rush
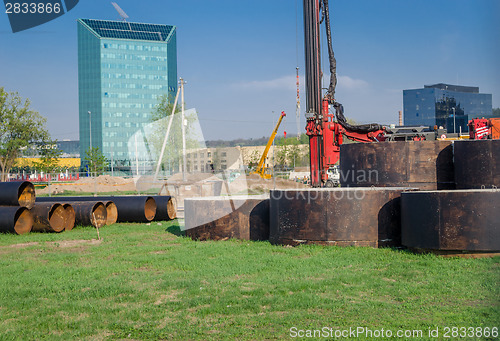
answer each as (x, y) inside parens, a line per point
(254, 183)
(192, 178)
(103, 183)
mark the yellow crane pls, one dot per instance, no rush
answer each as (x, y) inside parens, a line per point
(261, 169)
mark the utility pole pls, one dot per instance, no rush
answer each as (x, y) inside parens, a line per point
(166, 138)
(274, 164)
(297, 107)
(90, 135)
(183, 126)
(90, 128)
(454, 126)
(112, 161)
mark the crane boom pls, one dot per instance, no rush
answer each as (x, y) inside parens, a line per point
(260, 167)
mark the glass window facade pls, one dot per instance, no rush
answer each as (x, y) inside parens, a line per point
(445, 105)
(123, 69)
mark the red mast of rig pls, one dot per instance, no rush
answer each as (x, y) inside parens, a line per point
(326, 134)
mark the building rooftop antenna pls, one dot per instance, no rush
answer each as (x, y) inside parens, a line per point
(120, 11)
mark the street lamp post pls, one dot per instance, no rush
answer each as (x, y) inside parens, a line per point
(183, 129)
(454, 126)
(90, 127)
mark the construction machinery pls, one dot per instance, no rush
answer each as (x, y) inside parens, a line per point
(325, 133)
(261, 169)
(484, 128)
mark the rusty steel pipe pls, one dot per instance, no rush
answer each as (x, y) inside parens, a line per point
(221, 218)
(90, 213)
(166, 207)
(477, 164)
(15, 219)
(134, 208)
(48, 217)
(17, 193)
(70, 217)
(451, 221)
(336, 216)
(111, 210)
(427, 165)
(137, 208)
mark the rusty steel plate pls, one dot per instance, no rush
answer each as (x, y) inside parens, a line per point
(477, 164)
(427, 165)
(336, 216)
(460, 220)
(221, 218)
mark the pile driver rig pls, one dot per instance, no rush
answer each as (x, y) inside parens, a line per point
(325, 133)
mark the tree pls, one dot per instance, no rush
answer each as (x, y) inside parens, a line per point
(282, 152)
(291, 152)
(495, 112)
(19, 127)
(253, 159)
(95, 160)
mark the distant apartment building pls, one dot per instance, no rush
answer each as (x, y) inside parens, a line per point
(205, 160)
(446, 105)
(123, 69)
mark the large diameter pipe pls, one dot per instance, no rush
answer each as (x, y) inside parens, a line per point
(453, 222)
(15, 219)
(221, 218)
(70, 217)
(134, 208)
(477, 164)
(69, 222)
(427, 165)
(17, 194)
(166, 208)
(336, 216)
(111, 210)
(90, 213)
(138, 208)
(48, 217)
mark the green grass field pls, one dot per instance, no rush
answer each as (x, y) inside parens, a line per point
(148, 282)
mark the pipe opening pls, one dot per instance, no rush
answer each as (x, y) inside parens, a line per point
(23, 221)
(26, 195)
(171, 208)
(57, 217)
(70, 217)
(98, 218)
(111, 213)
(150, 209)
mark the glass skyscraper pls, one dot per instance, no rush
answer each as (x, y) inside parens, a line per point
(446, 105)
(123, 69)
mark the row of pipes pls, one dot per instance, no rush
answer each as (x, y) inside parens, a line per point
(22, 212)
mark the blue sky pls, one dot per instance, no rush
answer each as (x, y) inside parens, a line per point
(239, 57)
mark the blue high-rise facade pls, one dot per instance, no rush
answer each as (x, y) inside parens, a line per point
(446, 105)
(123, 69)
